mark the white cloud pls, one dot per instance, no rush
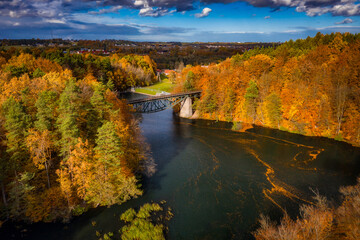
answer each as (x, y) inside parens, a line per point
(107, 10)
(267, 17)
(204, 13)
(154, 12)
(345, 21)
(311, 7)
(55, 21)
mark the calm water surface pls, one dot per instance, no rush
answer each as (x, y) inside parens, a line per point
(218, 181)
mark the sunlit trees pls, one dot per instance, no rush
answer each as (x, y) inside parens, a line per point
(66, 144)
(146, 223)
(110, 164)
(46, 114)
(309, 86)
(189, 82)
(108, 148)
(251, 95)
(318, 221)
(40, 147)
(68, 115)
(273, 109)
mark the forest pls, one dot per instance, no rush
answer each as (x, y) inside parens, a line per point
(67, 143)
(123, 71)
(309, 86)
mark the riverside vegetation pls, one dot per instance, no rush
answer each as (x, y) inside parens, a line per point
(308, 86)
(318, 221)
(67, 142)
(149, 222)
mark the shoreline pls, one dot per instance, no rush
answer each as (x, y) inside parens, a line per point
(245, 126)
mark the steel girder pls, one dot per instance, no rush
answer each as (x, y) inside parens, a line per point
(157, 105)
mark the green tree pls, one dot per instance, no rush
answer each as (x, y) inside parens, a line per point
(110, 85)
(4, 169)
(45, 114)
(17, 71)
(229, 104)
(110, 185)
(38, 73)
(16, 124)
(140, 226)
(209, 101)
(98, 101)
(67, 122)
(108, 148)
(19, 190)
(189, 82)
(273, 109)
(251, 96)
(98, 111)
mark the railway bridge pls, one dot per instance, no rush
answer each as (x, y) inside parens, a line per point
(160, 103)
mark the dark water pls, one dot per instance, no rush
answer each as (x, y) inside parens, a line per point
(218, 181)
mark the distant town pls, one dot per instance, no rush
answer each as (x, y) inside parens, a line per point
(165, 54)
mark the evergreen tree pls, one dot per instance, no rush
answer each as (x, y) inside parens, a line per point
(97, 112)
(38, 73)
(4, 168)
(67, 122)
(229, 104)
(251, 95)
(98, 101)
(110, 185)
(189, 83)
(110, 85)
(16, 125)
(45, 115)
(19, 190)
(273, 109)
(108, 147)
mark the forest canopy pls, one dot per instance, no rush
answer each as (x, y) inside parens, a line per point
(308, 86)
(67, 142)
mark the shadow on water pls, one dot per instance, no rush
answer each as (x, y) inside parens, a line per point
(166, 142)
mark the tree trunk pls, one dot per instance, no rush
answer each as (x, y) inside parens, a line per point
(47, 174)
(3, 193)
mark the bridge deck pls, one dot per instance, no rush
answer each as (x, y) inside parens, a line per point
(163, 97)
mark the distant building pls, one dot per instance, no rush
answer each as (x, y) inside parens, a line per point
(168, 71)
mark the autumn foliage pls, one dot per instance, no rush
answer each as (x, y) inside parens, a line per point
(318, 221)
(308, 86)
(68, 143)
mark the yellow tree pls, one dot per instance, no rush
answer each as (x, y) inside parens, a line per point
(40, 146)
(81, 164)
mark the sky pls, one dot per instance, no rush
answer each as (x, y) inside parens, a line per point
(177, 20)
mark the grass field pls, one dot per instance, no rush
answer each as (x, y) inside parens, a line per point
(164, 86)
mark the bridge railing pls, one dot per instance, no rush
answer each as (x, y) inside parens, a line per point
(192, 93)
(159, 103)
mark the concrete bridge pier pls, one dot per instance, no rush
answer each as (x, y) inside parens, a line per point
(186, 108)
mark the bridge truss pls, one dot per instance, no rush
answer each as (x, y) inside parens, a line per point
(160, 103)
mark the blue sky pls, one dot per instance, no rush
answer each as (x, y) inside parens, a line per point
(177, 20)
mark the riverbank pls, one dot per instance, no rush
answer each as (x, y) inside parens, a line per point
(203, 165)
(241, 126)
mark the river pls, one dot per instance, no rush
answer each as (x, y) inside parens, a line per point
(218, 181)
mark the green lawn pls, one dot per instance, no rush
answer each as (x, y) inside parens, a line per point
(164, 86)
